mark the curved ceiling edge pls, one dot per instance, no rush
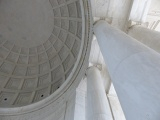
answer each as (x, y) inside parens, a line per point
(75, 76)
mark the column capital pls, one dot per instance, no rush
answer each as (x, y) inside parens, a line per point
(94, 67)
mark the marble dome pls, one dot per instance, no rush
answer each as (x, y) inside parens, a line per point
(40, 41)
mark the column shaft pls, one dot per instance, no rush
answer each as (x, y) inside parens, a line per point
(134, 71)
(97, 103)
(146, 36)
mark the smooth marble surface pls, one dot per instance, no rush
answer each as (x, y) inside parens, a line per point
(98, 107)
(146, 36)
(134, 70)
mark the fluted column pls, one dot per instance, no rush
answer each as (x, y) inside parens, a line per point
(134, 71)
(146, 36)
(97, 103)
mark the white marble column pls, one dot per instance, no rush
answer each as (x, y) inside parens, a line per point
(97, 103)
(96, 58)
(134, 71)
(146, 36)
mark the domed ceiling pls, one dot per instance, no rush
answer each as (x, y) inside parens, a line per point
(40, 41)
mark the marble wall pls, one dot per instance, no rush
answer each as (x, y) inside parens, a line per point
(117, 11)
